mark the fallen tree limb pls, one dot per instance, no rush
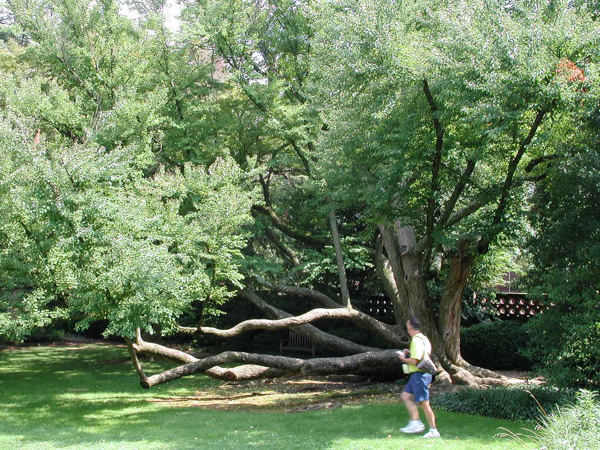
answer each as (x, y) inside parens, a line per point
(361, 319)
(346, 364)
(326, 340)
(388, 332)
(245, 372)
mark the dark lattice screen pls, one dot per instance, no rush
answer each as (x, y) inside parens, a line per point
(511, 305)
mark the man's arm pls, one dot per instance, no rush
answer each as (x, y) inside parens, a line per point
(406, 360)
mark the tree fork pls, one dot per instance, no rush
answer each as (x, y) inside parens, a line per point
(485, 241)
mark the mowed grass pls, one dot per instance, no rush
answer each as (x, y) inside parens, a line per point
(89, 397)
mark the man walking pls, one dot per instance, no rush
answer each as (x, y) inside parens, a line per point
(416, 391)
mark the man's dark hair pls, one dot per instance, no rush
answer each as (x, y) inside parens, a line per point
(415, 322)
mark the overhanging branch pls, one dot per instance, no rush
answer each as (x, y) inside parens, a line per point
(286, 229)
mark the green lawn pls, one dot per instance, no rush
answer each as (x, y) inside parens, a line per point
(89, 398)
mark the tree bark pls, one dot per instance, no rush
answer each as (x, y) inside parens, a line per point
(419, 303)
(348, 364)
(386, 275)
(400, 301)
(339, 258)
(449, 319)
(245, 372)
(326, 340)
(357, 317)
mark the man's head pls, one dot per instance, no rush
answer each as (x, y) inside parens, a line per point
(413, 325)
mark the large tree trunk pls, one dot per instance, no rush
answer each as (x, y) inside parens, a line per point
(405, 256)
(400, 299)
(449, 321)
(419, 303)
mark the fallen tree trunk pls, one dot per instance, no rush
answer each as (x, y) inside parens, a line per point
(317, 366)
(246, 372)
(362, 360)
(351, 315)
(239, 373)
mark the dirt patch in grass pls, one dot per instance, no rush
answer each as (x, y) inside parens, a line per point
(290, 394)
(305, 393)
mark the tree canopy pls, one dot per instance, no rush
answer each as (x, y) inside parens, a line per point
(306, 148)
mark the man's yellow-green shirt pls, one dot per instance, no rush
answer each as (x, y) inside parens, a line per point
(419, 345)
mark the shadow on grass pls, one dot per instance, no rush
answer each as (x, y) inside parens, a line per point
(58, 397)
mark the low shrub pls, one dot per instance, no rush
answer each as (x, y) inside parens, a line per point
(512, 403)
(496, 345)
(571, 427)
(567, 348)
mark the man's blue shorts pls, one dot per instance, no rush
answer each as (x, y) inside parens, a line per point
(418, 386)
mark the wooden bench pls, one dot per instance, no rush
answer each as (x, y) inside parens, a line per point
(299, 343)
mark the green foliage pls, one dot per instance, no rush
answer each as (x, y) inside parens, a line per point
(515, 403)
(372, 59)
(504, 257)
(498, 344)
(84, 231)
(566, 259)
(131, 203)
(575, 426)
(118, 208)
(89, 73)
(490, 69)
(566, 348)
(266, 47)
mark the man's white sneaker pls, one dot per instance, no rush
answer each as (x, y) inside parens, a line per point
(413, 427)
(431, 434)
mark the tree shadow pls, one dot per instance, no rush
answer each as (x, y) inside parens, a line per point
(59, 398)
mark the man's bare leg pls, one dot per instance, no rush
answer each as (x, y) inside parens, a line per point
(429, 415)
(411, 406)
